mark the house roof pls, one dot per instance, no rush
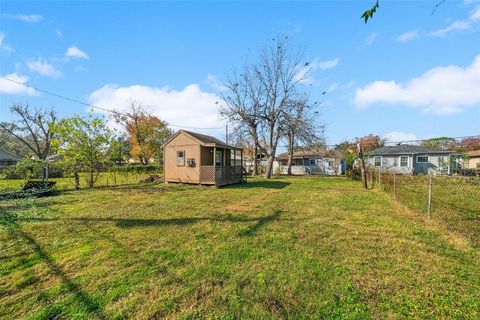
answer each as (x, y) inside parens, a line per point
(203, 139)
(11, 154)
(304, 154)
(404, 149)
(474, 154)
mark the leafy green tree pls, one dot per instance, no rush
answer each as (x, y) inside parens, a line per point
(82, 144)
(441, 143)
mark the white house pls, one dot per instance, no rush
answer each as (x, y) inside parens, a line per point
(411, 159)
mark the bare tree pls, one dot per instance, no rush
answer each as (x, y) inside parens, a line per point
(242, 108)
(33, 128)
(298, 127)
(261, 96)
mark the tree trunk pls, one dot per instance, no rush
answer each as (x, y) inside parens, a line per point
(255, 164)
(77, 180)
(90, 181)
(290, 155)
(268, 172)
(289, 164)
(45, 173)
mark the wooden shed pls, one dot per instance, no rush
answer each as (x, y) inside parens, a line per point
(190, 157)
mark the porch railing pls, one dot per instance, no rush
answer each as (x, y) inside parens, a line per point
(212, 174)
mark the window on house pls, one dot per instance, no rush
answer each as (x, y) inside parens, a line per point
(180, 158)
(422, 159)
(331, 163)
(312, 162)
(403, 161)
(377, 161)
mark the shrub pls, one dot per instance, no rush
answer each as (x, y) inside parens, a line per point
(354, 173)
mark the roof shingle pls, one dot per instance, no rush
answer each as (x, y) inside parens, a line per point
(404, 149)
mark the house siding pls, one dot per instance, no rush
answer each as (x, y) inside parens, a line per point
(174, 173)
(392, 163)
(436, 162)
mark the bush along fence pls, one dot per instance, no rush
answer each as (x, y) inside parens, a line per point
(453, 200)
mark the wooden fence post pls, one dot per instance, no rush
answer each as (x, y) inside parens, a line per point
(379, 179)
(394, 186)
(429, 208)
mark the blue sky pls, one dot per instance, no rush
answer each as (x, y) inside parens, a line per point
(406, 74)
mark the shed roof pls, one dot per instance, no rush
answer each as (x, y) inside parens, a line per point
(475, 153)
(203, 139)
(404, 149)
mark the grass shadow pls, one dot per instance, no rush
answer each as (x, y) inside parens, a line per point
(264, 184)
(260, 223)
(80, 296)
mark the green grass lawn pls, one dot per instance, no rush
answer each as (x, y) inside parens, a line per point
(303, 247)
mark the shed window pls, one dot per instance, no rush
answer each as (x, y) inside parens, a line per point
(403, 161)
(180, 158)
(377, 161)
(422, 159)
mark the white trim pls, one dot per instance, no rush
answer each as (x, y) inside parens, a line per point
(423, 155)
(400, 161)
(381, 161)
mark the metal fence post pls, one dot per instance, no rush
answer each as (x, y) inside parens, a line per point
(429, 209)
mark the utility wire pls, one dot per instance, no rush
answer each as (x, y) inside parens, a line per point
(199, 128)
(91, 105)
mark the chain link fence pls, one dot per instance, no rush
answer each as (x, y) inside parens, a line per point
(453, 200)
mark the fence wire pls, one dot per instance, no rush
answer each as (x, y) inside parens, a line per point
(453, 200)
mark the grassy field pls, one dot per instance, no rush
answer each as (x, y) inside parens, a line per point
(455, 200)
(303, 247)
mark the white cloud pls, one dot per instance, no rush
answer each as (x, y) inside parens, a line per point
(75, 52)
(189, 107)
(371, 39)
(398, 136)
(324, 65)
(475, 14)
(334, 86)
(9, 87)
(460, 25)
(454, 26)
(408, 36)
(28, 18)
(43, 68)
(213, 82)
(305, 74)
(58, 32)
(5, 47)
(441, 90)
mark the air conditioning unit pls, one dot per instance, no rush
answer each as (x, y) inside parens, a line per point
(191, 162)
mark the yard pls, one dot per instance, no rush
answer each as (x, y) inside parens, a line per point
(296, 247)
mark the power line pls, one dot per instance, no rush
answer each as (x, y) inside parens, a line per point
(91, 105)
(198, 128)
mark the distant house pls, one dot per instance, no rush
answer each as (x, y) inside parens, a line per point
(311, 162)
(412, 159)
(8, 159)
(190, 157)
(473, 159)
